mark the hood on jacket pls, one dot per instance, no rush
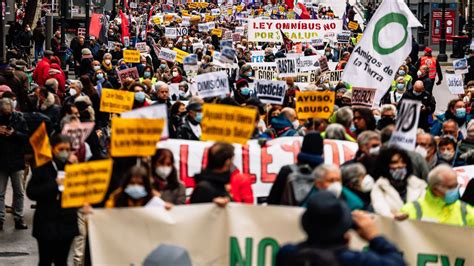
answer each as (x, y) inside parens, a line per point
(55, 66)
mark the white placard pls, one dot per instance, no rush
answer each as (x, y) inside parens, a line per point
(167, 54)
(286, 67)
(455, 83)
(270, 91)
(404, 135)
(212, 84)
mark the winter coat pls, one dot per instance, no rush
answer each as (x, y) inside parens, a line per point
(185, 131)
(241, 187)
(57, 73)
(13, 148)
(209, 186)
(51, 110)
(426, 100)
(41, 73)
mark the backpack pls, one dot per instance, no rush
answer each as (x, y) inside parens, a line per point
(298, 185)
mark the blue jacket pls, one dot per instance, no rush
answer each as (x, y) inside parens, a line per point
(437, 126)
(380, 252)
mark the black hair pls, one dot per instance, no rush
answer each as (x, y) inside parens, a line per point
(175, 107)
(172, 179)
(218, 154)
(122, 199)
(446, 140)
(368, 117)
(58, 139)
(385, 157)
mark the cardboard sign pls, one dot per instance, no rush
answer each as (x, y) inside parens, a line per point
(406, 128)
(78, 132)
(228, 55)
(227, 35)
(86, 183)
(227, 123)
(236, 37)
(131, 56)
(116, 101)
(41, 146)
(126, 42)
(128, 73)
(135, 136)
(110, 45)
(269, 91)
(141, 46)
(286, 67)
(203, 27)
(363, 97)
(353, 25)
(307, 63)
(455, 83)
(323, 64)
(167, 54)
(461, 66)
(317, 42)
(157, 20)
(180, 55)
(212, 84)
(314, 104)
(173, 33)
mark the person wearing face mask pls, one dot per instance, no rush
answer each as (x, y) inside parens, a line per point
(140, 98)
(388, 114)
(53, 227)
(441, 203)
(428, 104)
(284, 124)
(403, 74)
(448, 151)
(242, 91)
(356, 180)
(328, 177)
(423, 76)
(426, 146)
(164, 178)
(363, 120)
(95, 65)
(176, 76)
(455, 111)
(206, 66)
(398, 89)
(190, 129)
(369, 144)
(396, 185)
(85, 61)
(148, 74)
(246, 73)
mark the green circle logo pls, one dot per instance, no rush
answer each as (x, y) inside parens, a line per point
(384, 21)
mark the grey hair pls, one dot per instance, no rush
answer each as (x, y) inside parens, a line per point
(344, 116)
(68, 119)
(435, 177)
(452, 121)
(366, 136)
(158, 85)
(78, 84)
(52, 82)
(352, 172)
(335, 131)
(388, 107)
(321, 171)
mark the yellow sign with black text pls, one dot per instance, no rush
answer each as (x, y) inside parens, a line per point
(180, 55)
(314, 104)
(131, 56)
(116, 101)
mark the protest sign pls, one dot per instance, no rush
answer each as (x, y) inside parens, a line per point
(227, 35)
(217, 32)
(269, 91)
(236, 37)
(81, 32)
(116, 101)
(455, 83)
(308, 77)
(78, 132)
(343, 37)
(39, 141)
(307, 63)
(334, 76)
(86, 183)
(257, 56)
(323, 64)
(126, 41)
(191, 63)
(363, 97)
(131, 56)
(171, 33)
(262, 30)
(422, 243)
(461, 66)
(225, 43)
(314, 104)
(240, 30)
(110, 45)
(212, 84)
(180, 55)
(167, 54)
(232, 70)
(266, 70)
(228, 55)
(317, 42)
(157, 20)
(227, 123)
(352, 25)
(286, 67)
(134, 136)
(158, 111)
(128, 73)
(203, 27)
(141, 46)
(404, 135)
(359, 37)
(376, 59)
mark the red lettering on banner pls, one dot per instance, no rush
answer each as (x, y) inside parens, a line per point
(246, 163)
(348, 153)
(265, 161)
(204, 158)
(183, 166)
(294, 148)
(465, 178)
(335, 151)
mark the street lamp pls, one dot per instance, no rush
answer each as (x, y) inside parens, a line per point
(442, 57)
(87, 7)
(421, 31)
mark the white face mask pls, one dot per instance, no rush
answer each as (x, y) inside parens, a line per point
(14, 103)
(335, 188)
(367, 183)
(175, 74)
(421, 151)
(96, 68)
(296, 124)
(374, 150)
(72, 92)
(163, 171)
(107, 61)
(419, 73)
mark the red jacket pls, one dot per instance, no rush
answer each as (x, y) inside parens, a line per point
(41, 73)
(241, 187)
(57, 73)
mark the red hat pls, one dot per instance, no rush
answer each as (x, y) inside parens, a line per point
(428, 50)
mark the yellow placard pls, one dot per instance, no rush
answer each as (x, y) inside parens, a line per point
(41, 146)
(86, 183)
(314, 104)
(353, 25)
(227, 123)
(116, 101)
(239, 8)
(169, 17)
(193, 5)
(131, 56)
(203, 4)
(135, 137)
(209, 18)
(185, 13)
(157, 20)
(281, 9)
(230, 11)
(359, 37)
(217, 32)
(180, 55)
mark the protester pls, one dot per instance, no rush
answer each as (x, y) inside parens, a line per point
(455, 112)
(428, 103)
(165, 178)
(427, 147)
(355, 178)
(433, 64)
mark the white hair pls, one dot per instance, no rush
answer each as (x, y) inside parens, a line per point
(435, 177)
(321, 171)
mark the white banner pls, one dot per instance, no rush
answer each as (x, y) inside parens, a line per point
(78, 132)
(404, 135)
(167, 54)
(286, 67)
(257, 56)
(261, 163)
(266, 30)
(272, 92)
(252, 235)
(455, 83)
(307, 63)
(212, 84)
(383, 48)
(266, 70)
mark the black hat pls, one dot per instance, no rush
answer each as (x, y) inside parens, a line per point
(326, 218)
(313, 143)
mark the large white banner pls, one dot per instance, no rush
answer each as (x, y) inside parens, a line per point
(266, 30)
(212, 84)
(383, 48)
(261, 163)
(251, 235)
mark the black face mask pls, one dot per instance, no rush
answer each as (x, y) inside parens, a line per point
(385, 121)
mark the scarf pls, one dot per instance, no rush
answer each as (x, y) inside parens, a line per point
(107, 68)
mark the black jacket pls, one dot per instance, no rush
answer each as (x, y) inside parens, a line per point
(429, 103)
(185, 131)
(209, 186)
(13, 148)
(50, 222)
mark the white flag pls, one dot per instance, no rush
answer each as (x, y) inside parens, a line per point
(383, 48)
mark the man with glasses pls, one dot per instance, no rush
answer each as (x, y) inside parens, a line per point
(441, 203)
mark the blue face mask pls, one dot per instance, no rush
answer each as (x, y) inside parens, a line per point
(147, 74)
(398, 173)
(122, 67)
(136, 191)
(182, 94)
(461, 113)
(245, 91)
(401, 72)
(417, 93)
(199, 117)
(249, 74)
(100, 76)
(162, 66)
(451, 196)
(140, 96)
(400, 86)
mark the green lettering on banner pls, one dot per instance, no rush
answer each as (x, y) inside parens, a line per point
(384, 21)
(262, 247)
(457, 262)
(423, 259)
(235, 254)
